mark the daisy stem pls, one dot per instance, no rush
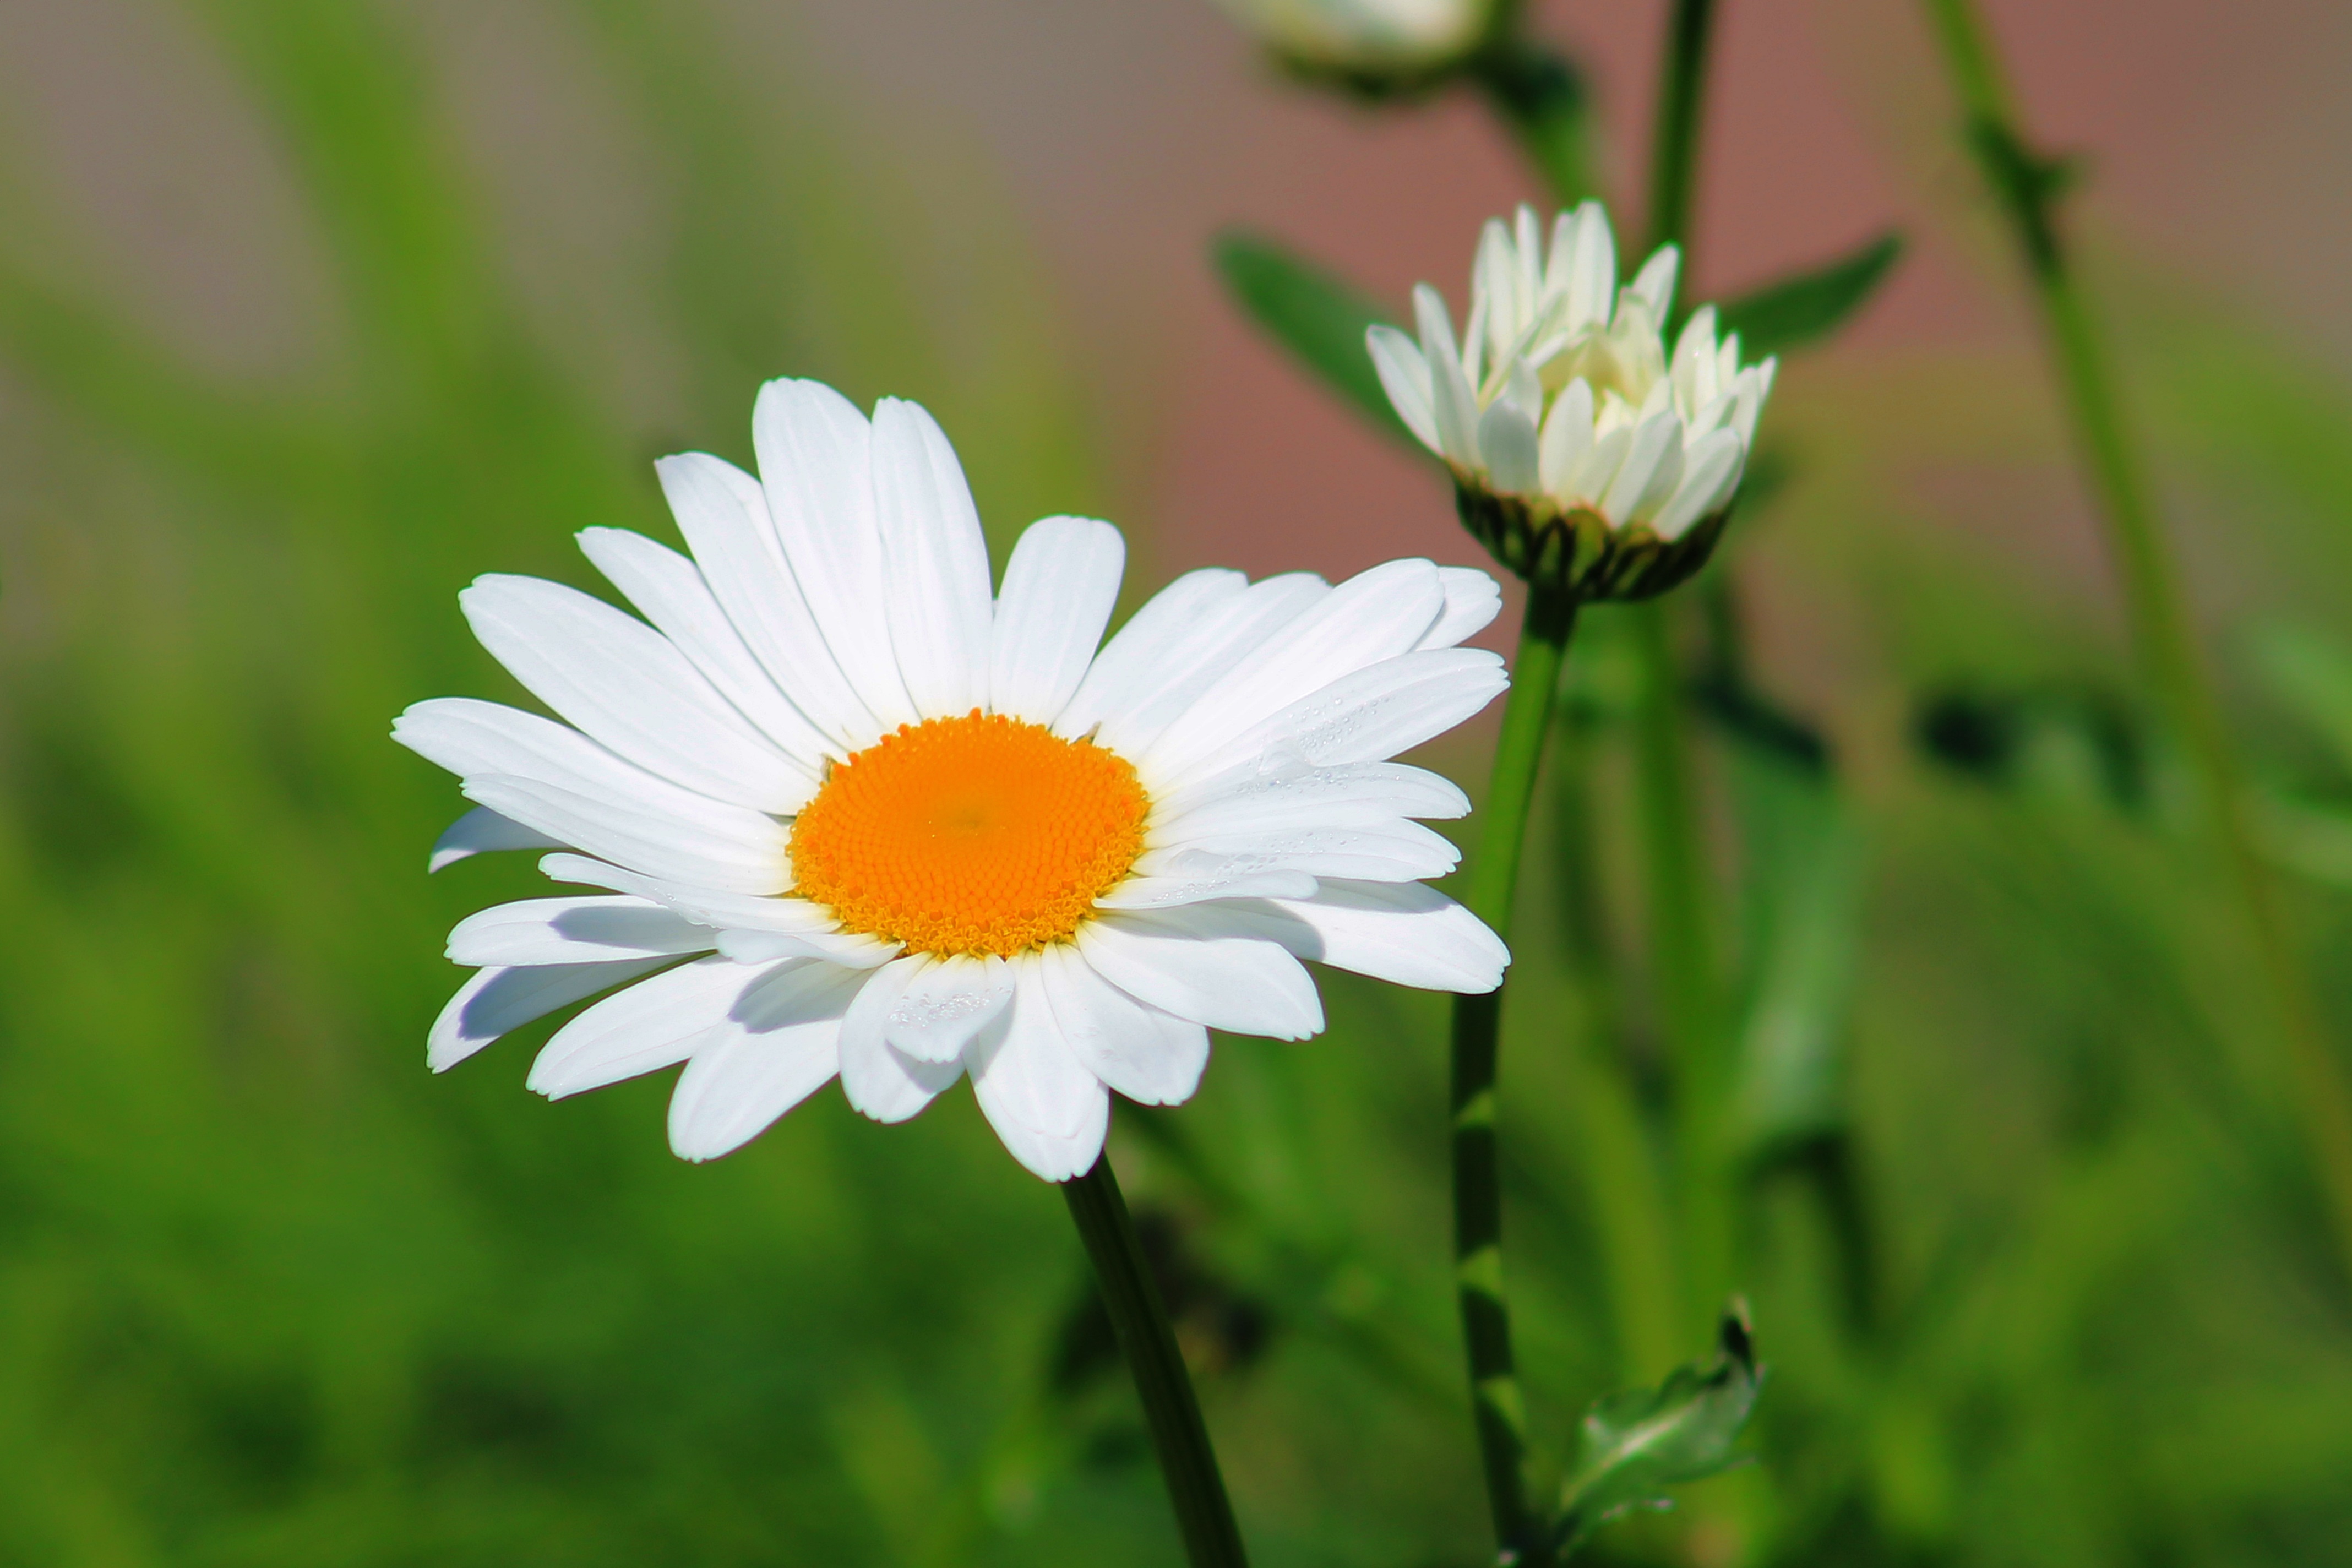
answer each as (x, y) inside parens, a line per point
(1496, 1402)
(2028, 185)
(1674, 138)
(1180, 1437)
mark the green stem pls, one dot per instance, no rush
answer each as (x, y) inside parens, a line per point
(1212, 1538)
(1496, 1402)
(2028, 185)
(1673, 147)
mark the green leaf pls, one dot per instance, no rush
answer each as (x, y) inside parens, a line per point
(2311, 674)
(1641, 1442)
(1810, 306)
(1314, 314)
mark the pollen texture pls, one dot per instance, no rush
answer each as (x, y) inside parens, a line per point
(974, 834)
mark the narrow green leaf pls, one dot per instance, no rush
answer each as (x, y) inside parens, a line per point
(2311, 674)
(1638, 1443)
(1810, 306)
(1314, 314)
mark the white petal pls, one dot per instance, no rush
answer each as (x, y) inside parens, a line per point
(1327, 800)
(1752, 397)
(1526, 252)
(816, 455)
(1222, 636)
(1200, 877)
(1373, 616)
(650, 1026)
(1405, 376)
(479, 832)
(671, 592)
(777, 1046)
(1472, 599)
(1628, 501)
(762, 947)
(471, 737)
(1567, 437)
(628, 687)
(1589, 476)
(1694, 364)
(947, 1002)
(494, 1001)
(753, 860)
(1592, 274)
(1494, 292)
(1172, 960)
(1396, 851)
(1710, 473)
(937, 562)
(735, 915)
(1133, 665)
(881, 1080)
(1508, 438)
(1051, 1112)
(1404, 932)
(1452, 404)
(1059, 587)
(1655, 282)
(1253, 795)
(1367, 717)
(1151, 1056)
(575, 930)
(723, 513)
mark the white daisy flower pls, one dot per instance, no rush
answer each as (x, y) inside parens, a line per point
(1381, 37)
(1583, 454)
(848, 813)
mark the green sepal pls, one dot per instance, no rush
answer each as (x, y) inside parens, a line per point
(1638, 1443)
(1314, 314)
(1574, 551)
(1810, 306)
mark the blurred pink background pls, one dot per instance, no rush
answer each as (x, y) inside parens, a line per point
(1128, 134)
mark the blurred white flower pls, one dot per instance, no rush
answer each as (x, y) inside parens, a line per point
(1561, 395)
(851, 813)
(1374, 36)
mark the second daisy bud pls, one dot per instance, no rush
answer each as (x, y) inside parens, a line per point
(1376, 47)
(1585, 457)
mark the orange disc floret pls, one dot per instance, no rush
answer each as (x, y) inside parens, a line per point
(973, 834)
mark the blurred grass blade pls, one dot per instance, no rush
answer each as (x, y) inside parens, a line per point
(1315, 315)
(1638, 1443)
(1804, 309)
(1803, 897)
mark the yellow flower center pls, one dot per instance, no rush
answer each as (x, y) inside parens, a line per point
(974, 834)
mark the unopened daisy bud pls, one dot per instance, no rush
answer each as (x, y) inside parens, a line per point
(1371, 44)
(1585, 457)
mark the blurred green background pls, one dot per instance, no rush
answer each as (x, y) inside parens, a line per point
(2029, 1245)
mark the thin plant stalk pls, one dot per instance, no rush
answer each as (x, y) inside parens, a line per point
(1682, 945)
(2028, 185)
(1497, 1407)
(1203, 1515)
(1674, 138)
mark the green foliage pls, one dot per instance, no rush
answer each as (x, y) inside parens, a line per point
(1810, 306)
(1316, 316)
(1638, 1444)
